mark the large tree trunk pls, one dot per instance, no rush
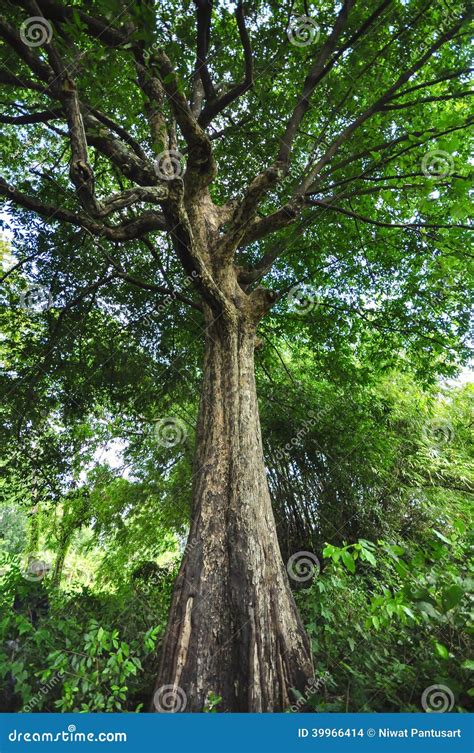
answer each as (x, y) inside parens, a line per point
(234, 629)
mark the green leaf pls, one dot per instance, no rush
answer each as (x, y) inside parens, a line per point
(366, 555)
(441, 537)
(408, 611)
(348, 560)
(451, 596)
(441, 650)
(428, 609)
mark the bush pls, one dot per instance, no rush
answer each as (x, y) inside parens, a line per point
(90, 652)
(389, 621)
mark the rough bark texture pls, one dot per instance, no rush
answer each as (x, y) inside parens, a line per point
(234, 629)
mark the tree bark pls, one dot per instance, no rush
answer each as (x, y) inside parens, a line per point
(233, 629)
(63, 547)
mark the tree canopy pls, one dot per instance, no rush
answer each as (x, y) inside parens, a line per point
(166, 164)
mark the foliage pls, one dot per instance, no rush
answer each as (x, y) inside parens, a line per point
(368, 448)
(93, 651)
(389, 620)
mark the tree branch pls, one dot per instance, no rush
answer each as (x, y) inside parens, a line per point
(377, 106)
(215, 106)
(186, 248)
(311, 81)
(444, 77)
(440, 98)
(143, 285)
(147, 222)
(201, 166)
(203, 34)
(96, 27)
(48, 211)
(379, 223)
(31, 118)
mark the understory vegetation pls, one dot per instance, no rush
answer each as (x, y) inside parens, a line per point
(383, 507)
(237, 417)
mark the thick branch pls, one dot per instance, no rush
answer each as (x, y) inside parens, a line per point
(146, 223)
(246, 209)
(48, 211)
(119, 153)
(312, 79)
(154, 100)
(10, 79)
(203, 19)
(12, 37)
(98, 28)
(188, 253)
(31, 118)
(214, 107)
(201, 165)
(118, 129)
(263, 226)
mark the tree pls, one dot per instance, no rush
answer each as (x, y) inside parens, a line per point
(208, 155)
